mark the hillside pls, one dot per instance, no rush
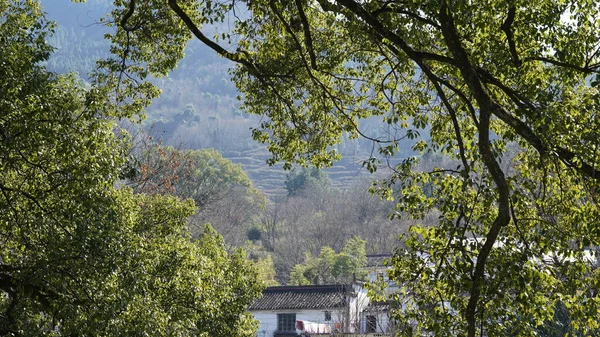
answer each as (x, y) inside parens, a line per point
(199, 106)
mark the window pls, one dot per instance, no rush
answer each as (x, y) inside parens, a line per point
(286, 322)
(328, 315)
(371, 323)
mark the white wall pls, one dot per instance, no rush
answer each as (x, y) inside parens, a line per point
(357, 305)
(268, 318)
(382, 319)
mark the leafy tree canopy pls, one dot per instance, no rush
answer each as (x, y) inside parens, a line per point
(479, 78)
(266, 271)
(303, 178)
(220, 189)
(331, 268)
(80, 257)
(201, 175)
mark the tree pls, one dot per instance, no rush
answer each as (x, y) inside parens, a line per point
(266, 271)
(297, 277)
(80, 256)
(201, 175)
(351, 260)
(220, 189)
(331, 268)
(476, 78)
(303, 178)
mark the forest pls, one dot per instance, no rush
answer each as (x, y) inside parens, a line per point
(195, 131)
(189, 153)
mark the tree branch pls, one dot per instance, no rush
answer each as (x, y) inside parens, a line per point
(380, 29)
(506, 28)
(516, 124)
(235, 57)
(415, 16)
(452, 112)
(127, 16)
(486, 104)
(588, 69)
(307, 36)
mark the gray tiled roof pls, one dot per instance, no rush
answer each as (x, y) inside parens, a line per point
(303, 297)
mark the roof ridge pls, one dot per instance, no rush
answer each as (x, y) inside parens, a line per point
(327, 296)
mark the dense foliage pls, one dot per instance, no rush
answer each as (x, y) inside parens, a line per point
(220, 189)
(301, 179)
(80, 256)
(330, 267)
(507, 89)
(201, 175)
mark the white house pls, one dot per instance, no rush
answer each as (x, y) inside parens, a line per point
(309, 310)
(375, 319)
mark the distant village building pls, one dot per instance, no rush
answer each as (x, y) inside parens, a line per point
(375, 317)
(310, 310)
(328, 310)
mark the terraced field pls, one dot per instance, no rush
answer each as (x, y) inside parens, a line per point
(270, 179)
